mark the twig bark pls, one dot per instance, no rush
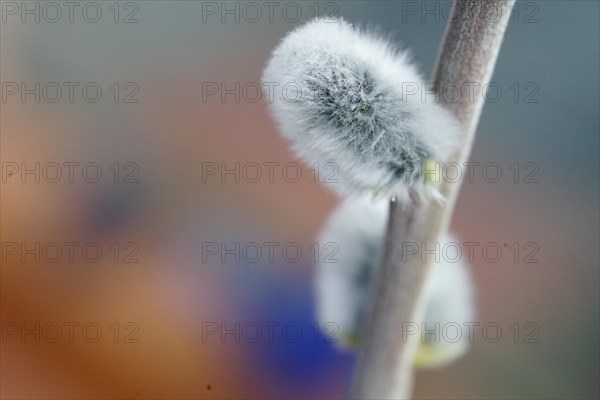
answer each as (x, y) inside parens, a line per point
(467, 57)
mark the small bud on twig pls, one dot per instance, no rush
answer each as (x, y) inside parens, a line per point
(342, 99)
(357, 227)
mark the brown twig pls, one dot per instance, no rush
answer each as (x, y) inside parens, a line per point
(468, 55)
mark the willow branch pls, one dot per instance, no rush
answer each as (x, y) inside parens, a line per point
(467, 57)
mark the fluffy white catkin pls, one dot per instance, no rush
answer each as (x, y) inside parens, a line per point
(347, 96)
(357, 228)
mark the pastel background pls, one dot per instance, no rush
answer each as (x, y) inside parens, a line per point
(171, 296)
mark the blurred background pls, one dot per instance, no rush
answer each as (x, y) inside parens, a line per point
(121, 207)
